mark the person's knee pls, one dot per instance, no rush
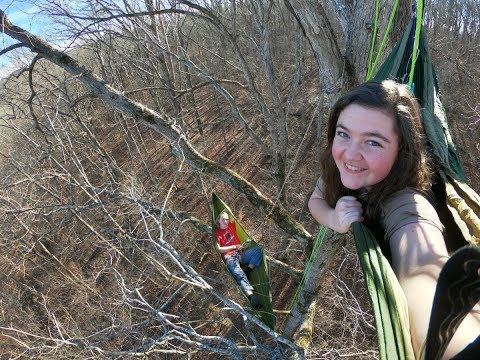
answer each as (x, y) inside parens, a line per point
(231, 265)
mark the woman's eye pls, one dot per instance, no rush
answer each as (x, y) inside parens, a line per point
(373, 143)
(342, 134)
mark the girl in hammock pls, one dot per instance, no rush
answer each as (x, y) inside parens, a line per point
(374, 169)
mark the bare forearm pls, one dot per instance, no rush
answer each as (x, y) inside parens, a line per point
(340, 218)
(224, 249)
(322, 212)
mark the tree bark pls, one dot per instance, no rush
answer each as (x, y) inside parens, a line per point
(314, 22)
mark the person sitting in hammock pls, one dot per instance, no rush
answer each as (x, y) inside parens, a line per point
(374, 169)
(237, 255)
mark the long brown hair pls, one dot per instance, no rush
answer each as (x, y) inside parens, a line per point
(410, 168)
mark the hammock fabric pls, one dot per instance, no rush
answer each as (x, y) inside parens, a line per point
(457, 204)
(259, 277)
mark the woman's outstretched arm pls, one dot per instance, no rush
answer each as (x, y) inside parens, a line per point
(418, 254)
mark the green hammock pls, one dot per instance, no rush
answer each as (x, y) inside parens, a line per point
(457, 204)
(259, 277)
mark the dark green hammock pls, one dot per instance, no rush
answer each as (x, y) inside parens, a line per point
(457, 204)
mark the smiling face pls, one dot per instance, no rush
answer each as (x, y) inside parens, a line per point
(365, 146)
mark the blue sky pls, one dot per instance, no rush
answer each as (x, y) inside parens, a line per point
(22, 13)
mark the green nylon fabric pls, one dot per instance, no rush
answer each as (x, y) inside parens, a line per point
(425, 86)
(389, 310)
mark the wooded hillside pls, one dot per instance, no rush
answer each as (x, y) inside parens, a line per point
(111, 149)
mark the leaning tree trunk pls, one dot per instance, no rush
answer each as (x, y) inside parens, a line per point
(299, 326)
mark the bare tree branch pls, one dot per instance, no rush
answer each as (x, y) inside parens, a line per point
(160, 123)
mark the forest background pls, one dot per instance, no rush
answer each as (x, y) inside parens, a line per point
(110, 151)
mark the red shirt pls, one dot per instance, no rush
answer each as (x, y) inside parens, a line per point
(227, 237)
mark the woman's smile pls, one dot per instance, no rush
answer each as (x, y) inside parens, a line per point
(353, 168)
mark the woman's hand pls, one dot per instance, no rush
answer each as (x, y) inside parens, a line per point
(347, 210)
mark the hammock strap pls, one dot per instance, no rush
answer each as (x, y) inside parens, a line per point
(418, 28)
(316, 247)
(372, 68)
(374, 36)
(308, 266)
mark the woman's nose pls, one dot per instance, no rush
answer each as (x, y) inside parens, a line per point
(353, 151)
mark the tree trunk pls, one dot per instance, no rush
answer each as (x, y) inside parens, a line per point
(314, 22)
(300, 322)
